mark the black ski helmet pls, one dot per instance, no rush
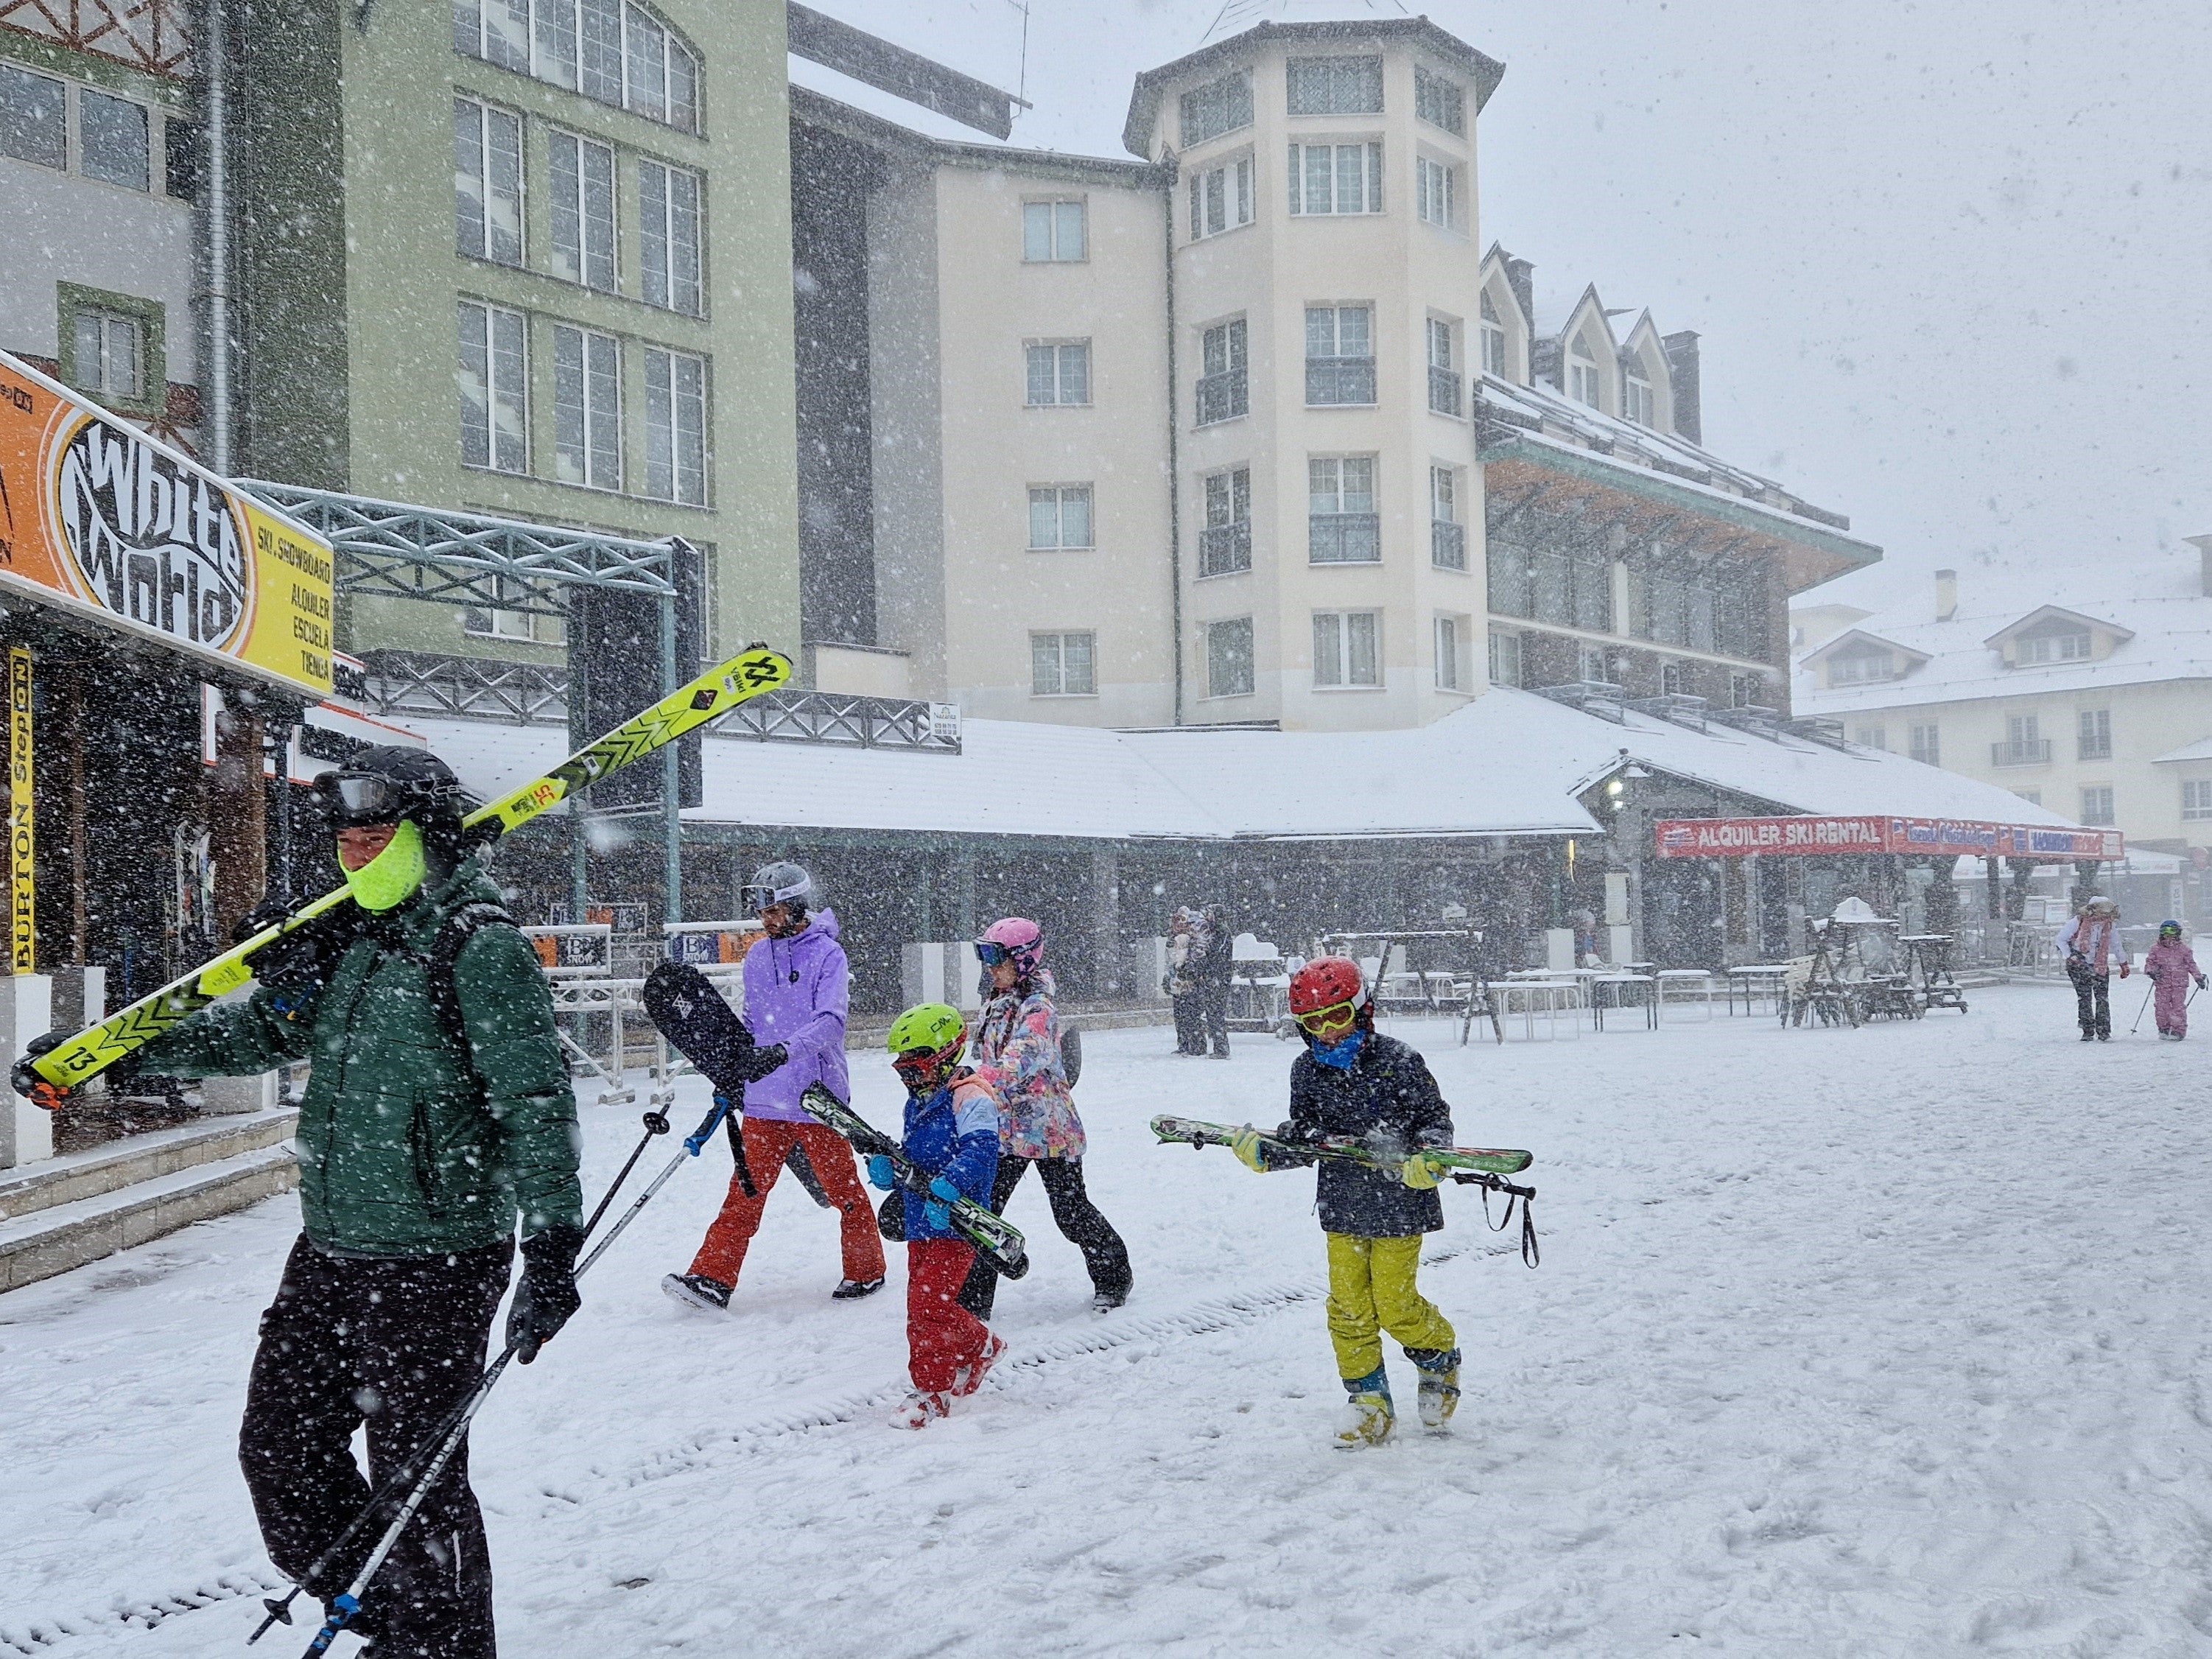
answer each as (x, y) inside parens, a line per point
(780, 882)
(385, 784)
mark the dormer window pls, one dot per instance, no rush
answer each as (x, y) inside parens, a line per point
(1582, 375)
(1861, 664)
(1636, 397)
(1493, 339)
(2054, 642)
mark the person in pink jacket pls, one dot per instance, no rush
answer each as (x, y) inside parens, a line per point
(2090, 943)
(2171, 967)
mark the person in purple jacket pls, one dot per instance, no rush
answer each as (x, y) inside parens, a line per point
(796, 992)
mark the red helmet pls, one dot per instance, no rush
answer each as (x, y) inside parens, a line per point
(1326, 986)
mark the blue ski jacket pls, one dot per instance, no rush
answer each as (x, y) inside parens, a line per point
(953, 1133)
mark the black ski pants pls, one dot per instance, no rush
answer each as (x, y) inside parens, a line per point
(1214, 1014)
(393, 1343)
(1190, 1024)
(2092, 993)
(1077, 1218)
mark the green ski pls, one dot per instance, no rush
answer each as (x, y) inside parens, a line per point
(1000, 1241)
(72, 1063)
(1475, 1161)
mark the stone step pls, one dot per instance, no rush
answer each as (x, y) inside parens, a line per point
(78, 1175)
(61, 1237)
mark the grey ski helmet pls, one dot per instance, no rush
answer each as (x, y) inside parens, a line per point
(780, 882)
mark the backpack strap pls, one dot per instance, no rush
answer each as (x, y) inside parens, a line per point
(452, 938)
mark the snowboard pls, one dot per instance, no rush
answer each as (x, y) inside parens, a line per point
(1467, 1163)
(77, 1059)
(1001, 1243)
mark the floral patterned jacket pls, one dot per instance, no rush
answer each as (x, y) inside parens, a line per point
(1017, 1051)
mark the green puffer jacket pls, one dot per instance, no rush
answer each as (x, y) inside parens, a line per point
(403, 1152)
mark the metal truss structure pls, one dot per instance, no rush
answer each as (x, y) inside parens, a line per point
(394, 550)
(153, 35)
(466, 688)
(832, 717)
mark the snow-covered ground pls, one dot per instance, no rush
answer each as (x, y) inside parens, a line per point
(1882, 1342)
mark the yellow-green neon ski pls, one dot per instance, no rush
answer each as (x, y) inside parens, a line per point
(712, 695)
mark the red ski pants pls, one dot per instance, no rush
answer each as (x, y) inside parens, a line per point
(768, 1142)
(941, 1335)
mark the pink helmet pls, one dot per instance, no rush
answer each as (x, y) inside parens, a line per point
(1016, 939)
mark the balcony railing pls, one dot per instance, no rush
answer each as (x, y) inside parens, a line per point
(1344, 538)
(1225, 549)
(2021, 752)
(1444, 391)
(1223, 397)
(1447, 545)
(1340, 381)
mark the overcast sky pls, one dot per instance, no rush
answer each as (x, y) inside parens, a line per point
(1949, 258)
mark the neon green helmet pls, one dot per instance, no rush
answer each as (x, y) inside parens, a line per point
(926, 1041)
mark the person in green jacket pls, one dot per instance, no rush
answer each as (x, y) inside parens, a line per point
(438, 1112)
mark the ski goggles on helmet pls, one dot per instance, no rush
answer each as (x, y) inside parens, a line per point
(359, 798)
(1331, 1021)
(991, 953)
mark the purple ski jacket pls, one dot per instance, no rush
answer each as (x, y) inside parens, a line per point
(796, 993)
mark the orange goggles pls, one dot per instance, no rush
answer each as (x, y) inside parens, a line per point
(1332, 1021)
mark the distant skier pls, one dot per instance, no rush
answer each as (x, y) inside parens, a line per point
(438, 1108)
(1352, 1080)
(797, 992)
(1182, 989)
(2171, 966)
(1017, 1051)
(1212, 959)
(2090, 942)
(952, 1135)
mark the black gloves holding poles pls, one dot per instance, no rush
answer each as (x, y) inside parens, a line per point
(546, 1298)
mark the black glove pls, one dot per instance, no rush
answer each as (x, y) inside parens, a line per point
(305, 958)
(751, 1065)
(28, 1082)
(547, 1294)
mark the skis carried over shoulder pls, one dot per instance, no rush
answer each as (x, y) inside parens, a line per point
(1467, 1163)
(1000, 1241)
(79, 1059)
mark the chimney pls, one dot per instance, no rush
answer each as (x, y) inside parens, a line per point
(2203, 546)
(1682, 370)
(1947, 594)
(1521, 277)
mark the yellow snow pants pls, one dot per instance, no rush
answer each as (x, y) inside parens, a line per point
(1372, 1290)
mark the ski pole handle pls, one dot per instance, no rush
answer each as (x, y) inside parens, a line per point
(696, 1142)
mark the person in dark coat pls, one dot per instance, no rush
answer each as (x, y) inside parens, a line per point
(1182, 989)
(1211, 958)
(438, 1115)
(1355, 1082)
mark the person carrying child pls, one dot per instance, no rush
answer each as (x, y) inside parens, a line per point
(2171, 966)
(1353, 1081)
(952, 1137)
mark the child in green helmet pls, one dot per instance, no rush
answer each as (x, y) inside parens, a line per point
(952, 1137)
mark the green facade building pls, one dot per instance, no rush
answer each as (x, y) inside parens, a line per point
(528, 257)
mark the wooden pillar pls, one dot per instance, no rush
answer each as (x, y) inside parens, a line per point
(237, 815)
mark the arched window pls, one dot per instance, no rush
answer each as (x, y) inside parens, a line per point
(1493, 340)
(612, 50)
(1582, 375)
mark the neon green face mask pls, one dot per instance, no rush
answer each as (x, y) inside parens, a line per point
(390, 879)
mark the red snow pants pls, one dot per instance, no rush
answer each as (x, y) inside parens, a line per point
(941, 1335)
(768, 1142)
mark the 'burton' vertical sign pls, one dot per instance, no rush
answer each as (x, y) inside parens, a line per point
(23, 816)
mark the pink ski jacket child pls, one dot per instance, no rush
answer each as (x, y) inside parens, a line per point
(2172, 968)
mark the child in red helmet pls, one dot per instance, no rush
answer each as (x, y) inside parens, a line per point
(1353, 1081)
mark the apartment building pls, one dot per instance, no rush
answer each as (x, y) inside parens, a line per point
(100, 162)
(1250, 430)
(528, 257)
(2086, 695)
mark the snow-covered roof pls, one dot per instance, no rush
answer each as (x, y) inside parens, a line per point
(2199, 750)
(2158, 601)
(1509, 762)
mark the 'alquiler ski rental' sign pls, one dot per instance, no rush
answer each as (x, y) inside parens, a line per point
(99, 517)
(1809, 835)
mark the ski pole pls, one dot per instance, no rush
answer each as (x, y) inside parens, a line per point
(280, 1608)
(2148, 994)
(345, 1604)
